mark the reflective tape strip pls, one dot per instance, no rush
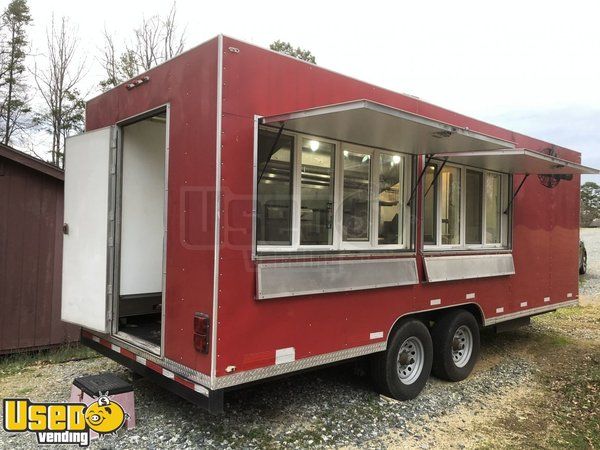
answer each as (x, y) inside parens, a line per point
(470, 295)
(285, 355)
(151, 365)
(435, 301)
(201, 389)
(376, 335)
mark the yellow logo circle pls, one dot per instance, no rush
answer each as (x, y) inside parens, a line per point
(104, 416)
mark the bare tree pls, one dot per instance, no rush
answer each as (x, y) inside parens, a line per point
(154, 41)
(117, 67)
(173, 40)
(147, 47)
(109, 60)
(57, 83)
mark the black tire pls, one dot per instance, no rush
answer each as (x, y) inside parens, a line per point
(385, 368)
(442, 334)
(583, 265)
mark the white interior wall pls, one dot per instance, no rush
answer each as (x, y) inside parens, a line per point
(142, 221)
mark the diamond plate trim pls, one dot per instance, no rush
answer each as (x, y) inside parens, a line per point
(305, 363)
(188, 373)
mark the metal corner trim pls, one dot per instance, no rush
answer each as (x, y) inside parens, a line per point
(215, 305)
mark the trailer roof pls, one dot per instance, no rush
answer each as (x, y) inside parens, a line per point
(373, 124)
(517, 161)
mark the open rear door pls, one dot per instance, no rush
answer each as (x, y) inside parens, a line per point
(87, 249)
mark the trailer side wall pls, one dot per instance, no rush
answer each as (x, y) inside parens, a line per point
(260, 82)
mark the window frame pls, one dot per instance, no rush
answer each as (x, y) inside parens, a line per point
(338, 244)
(505, 221)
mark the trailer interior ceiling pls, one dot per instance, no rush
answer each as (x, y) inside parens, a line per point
(142, 229)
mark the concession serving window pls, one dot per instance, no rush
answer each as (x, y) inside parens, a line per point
(339, 178)
(487, 164)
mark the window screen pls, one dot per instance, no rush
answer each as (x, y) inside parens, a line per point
(493, 209)
(274, 199)
(356, 204)
(450, 205)
(474, 206)
(316, 196)
(390, 195)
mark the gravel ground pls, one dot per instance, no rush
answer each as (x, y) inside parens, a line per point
(335, 407)
(332, 407)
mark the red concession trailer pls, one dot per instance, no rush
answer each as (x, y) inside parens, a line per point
(235, 214)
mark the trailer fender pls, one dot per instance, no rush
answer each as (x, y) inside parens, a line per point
(427, 315)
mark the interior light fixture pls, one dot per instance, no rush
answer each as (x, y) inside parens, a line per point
(346, 153)
(396, 159)
(314, 145)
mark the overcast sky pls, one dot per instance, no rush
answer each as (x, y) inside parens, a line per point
(530, 66)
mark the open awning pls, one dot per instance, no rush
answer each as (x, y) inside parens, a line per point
(372, 124)
(517, 161)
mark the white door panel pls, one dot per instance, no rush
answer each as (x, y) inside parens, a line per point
(84, 281)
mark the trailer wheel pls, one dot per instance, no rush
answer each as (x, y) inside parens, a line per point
(455, 345)
(583, 263)
(401, 372)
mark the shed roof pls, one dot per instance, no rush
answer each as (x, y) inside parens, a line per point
(31, 162)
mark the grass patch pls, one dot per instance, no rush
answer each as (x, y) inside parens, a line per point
(18, 362)
(551, 339)
(566, 411)
(571, 377)
(23, 391)
(591, 312)
(576, 399)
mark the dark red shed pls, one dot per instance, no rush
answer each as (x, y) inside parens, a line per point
(31, 217)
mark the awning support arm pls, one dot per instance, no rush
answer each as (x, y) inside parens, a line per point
(272, 151)
(416, 185)
(515, 194)
(435, 177)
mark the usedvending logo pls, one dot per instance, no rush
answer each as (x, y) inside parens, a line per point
(63, 423)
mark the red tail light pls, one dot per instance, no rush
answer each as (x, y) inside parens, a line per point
(201, 329)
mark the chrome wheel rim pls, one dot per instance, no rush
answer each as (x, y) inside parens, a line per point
(410, 360)
(462, 346)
